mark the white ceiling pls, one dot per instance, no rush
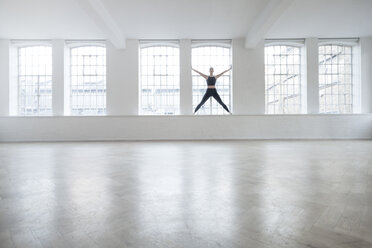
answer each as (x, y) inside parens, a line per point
(185, 18)
(45, 19)
(324, 18)
(167, 19)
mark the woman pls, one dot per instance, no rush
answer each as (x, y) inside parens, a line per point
(211, 91)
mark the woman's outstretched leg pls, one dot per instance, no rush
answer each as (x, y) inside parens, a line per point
(219, 100)
(205, 98)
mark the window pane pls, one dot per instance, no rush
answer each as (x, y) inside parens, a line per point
(282, 79)
(335, 80)
(35, 80)
(88, 80)
(159, 80)
(219, 57)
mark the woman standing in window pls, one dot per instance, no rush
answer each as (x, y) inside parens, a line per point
(211, 91)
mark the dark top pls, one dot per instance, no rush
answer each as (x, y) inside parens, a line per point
(211, 81)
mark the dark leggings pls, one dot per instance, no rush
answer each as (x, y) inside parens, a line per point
(207, 95)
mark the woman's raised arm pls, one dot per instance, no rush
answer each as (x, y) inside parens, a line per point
(201, 74)
(219, 75)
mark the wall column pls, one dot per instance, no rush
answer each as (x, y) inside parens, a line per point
(312, 78)
(58, 53)
(366, 74)
(248, 79)
(185, 78)
(122, 79)
(4, 77)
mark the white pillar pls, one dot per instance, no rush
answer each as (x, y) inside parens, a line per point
(58, 77)
(122, 79)
(185, 78)
(366, 74)
(4, 77)
(312, 78)
(248, 79)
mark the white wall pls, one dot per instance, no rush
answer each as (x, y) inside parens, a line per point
(366, 74)
(186, 127)
(122, 79)
(312, 78)
(186, 78)
(248, 79)
(58, 90)
(4, 77)
(247, 122)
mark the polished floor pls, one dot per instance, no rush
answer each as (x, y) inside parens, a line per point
(259, 194)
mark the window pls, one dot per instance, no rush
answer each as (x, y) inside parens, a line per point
(335, 78)
(88, 80)
(159, 78)
(206, 54)
(34, 80)
(283, 79)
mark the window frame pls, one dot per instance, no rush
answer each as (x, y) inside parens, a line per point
(145, 44)
(353, 43)
(15, 91)
(300, 44)
(68, 88)
(214, 43)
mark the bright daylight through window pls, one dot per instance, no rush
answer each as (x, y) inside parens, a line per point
(88, 80)
(35, 80)
(282, 79)
(335, 79)
(159, 78)
(216, 54)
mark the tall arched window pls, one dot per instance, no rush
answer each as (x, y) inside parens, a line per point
(35, 80)
(335, 78)
(159, 78)
(88, 80)
(283, 79)
(206, 54)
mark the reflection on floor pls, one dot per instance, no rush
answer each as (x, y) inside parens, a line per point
(186, 194)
